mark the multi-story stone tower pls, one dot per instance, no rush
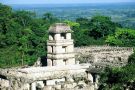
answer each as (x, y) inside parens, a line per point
(60, 45)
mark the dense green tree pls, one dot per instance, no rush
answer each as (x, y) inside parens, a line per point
(49, 18)
(131, 59)
(122, 37)
(22, 37)
(111, 40)
(72, 24)
(101, 26)
(84, 22)
(80, 35)
(5, 18)
(24, 18)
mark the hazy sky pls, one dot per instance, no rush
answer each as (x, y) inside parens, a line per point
(60, 1)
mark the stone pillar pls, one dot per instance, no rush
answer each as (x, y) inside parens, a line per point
(15, 85)
(40, 84)
(68, 36)
(57, 37)
(49, 49)
(96, 81)
(95, 58)
(49, 62)
(33, 86)
(26, 87)
(91, 87)
(51, 37)
(97, 78)
(10, 84)
(90, 77)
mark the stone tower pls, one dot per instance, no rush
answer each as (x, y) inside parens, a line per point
(60, 46)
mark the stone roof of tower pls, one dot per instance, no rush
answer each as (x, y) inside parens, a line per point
(59, 28)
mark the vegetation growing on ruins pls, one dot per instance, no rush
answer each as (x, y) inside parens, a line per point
(119, 78)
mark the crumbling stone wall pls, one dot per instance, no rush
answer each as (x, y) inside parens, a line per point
(103, 55)
(45, 77)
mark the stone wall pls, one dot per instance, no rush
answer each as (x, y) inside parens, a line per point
(44, 77)
(4, 84)
(103, 55)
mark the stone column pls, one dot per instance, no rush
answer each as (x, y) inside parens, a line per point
(95, 58)
(68, 36)
(90, 77)
(49, 49)
(96, 81)
(49, 62)
(33, 86)
(57, 36)
(28, 86)
(51, 37)
(40, 84)
(97, 78)
(10, 84)
(25, 87)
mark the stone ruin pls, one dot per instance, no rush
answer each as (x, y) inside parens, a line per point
(67, 68)
(103, 55)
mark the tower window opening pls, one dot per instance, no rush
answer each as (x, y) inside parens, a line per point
(52, 63)
(64, 49)
(63, 35)
(65, 61)
(119, 58)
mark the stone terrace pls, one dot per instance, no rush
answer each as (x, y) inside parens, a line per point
(45, 73)
(103, 55)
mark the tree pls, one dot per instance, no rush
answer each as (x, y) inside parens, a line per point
(84, 22)
(24, 18)
(122, 37)
(111, 40)
(49, 18)
(131, 59)
(5, 18)
(101, 26)
(71, 24)
(121, 78)
(22, 37)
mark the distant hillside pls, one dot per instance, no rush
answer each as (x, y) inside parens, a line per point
(123, 13)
